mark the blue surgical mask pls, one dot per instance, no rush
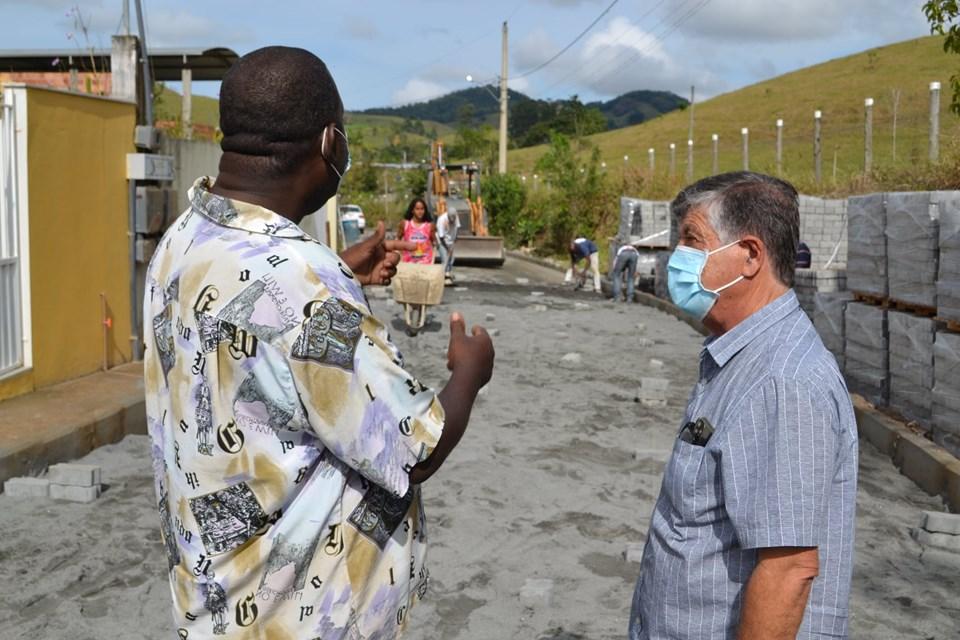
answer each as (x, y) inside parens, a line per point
(683, 280)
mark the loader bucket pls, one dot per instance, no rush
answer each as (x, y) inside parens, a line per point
(478, 250)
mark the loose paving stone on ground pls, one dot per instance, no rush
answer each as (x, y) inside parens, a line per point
(555, 477)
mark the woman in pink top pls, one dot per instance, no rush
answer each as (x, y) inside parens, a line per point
(417, 226)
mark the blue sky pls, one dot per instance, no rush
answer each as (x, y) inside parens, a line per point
(395, 52)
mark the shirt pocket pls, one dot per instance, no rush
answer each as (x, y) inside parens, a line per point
(683, 480)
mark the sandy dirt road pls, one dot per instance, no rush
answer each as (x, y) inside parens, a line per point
(554, 480)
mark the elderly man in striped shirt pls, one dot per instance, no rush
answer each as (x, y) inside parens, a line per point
(752, 535)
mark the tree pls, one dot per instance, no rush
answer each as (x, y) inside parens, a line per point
(582, 201)
(942, 16)
(504, 197)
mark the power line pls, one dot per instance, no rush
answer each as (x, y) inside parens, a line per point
(573, 42)
(673, 27)
(610, 47)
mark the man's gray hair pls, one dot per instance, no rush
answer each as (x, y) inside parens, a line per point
(743, 202)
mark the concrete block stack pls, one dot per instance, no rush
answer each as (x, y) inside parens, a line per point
(808, 283)
(946, 391)
(828, 310)
(74, 482)
(911, 365)
(866, 352)
(912, 230)
(948, 280)
(823, 229)
(867, 249)
(660, 288)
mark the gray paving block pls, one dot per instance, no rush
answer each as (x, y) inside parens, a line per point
(634, 552)
(940, 540)
(77, 475)
(27, 487)
(537, 593)
(941, 522)
(73, 493)
(867, 244)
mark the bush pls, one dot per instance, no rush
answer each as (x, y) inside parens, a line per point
(504, 198)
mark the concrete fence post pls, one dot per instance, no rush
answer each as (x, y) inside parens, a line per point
(934, 121)
(745, 135)
(867, 135)
(779, 146)
(817, 150)
(716, 153)
(673, 159)
(689, 160)
(186, 102)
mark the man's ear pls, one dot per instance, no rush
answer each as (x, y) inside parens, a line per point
(756, 255)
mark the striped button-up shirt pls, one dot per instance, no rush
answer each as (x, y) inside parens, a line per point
(780, 470)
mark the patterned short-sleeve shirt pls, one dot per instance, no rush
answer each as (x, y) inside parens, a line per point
(283, 428)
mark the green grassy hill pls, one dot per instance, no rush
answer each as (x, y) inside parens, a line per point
(377, 132)
(837, 87)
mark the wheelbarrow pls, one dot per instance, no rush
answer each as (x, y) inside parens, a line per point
(417, 286)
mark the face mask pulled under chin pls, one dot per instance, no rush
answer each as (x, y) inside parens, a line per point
(340, 175)
(683, 280)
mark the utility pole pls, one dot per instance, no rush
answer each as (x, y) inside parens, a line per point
(652, 156)
(502, 168)
(716, 153)
(934, 121)
(779, 146)
(690, 133)
(745, 134)
(867, 135)
(817, 151)
(673, 159)
(690, 160)
(125, 21)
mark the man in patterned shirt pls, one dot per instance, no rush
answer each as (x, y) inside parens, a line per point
(288, 441)
(752, 535)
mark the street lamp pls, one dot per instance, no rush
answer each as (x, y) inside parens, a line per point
(502, 101)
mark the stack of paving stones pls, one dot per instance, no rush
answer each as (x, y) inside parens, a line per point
(73, 482)
(938, 529)
(807, 283)
(867, 245)
(823, 229)
(948, 280)
(913, 231)
(828, 310)
(946, 391)
(911, 365)
(866, 352)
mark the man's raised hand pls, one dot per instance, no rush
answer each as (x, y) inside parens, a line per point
(374, 260)
(471, 355)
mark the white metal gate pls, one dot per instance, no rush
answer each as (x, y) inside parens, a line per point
(11, 313)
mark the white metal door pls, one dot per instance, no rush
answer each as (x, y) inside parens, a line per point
(11, 312)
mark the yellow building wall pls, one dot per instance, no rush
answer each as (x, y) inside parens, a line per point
(79, 248)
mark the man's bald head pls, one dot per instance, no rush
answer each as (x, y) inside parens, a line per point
(274, 105)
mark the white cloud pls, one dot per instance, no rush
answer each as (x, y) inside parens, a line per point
(534, 49)
(618, 58)
(417, 90)
(780, 21)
